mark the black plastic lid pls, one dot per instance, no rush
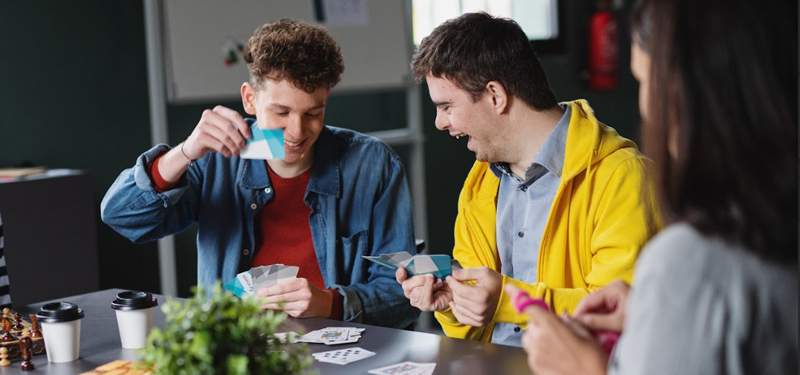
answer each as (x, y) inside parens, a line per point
(57, 312)
(132, 300)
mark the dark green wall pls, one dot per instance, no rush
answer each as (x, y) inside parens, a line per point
(73, 94)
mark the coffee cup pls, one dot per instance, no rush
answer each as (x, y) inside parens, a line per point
(61, 327)
(134, 317)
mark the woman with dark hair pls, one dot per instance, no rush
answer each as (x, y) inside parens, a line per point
(716, 291)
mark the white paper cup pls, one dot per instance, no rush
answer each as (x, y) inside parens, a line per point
(134, 326)
(61, 328)
(134, 317)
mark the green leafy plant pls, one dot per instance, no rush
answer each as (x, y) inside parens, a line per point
(219, 333)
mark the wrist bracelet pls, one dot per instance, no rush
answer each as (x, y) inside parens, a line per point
(184, 155)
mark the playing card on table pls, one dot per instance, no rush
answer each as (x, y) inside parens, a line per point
(333, 335)
(438, 265)
(405, 368)
(343, 356)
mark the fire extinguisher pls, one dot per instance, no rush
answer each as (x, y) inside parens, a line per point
(603, 47)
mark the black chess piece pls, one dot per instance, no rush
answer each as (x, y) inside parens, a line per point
(35, 332)
(25, 354)
(17, 323)
(7, 336)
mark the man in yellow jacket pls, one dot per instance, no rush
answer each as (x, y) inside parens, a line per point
(556, 203)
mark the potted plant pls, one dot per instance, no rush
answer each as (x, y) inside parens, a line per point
(219, 333)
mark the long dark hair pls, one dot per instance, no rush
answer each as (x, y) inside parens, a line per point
(723, 83)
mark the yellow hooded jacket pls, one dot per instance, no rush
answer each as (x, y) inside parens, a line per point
(600, 218)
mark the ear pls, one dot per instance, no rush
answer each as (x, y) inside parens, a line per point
(248, 98)
(498, 96)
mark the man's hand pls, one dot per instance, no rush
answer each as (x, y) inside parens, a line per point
(604, 309)
(298, 298)
(560, 345)
(221, 130)
(423, 292)
(475, 305)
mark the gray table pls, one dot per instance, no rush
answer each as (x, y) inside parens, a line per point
(100, 344)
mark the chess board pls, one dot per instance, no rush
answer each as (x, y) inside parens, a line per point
(12, 343)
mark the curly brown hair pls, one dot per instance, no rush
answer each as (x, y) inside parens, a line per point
(299, 52)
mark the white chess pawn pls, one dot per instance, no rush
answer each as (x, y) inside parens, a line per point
(4, 357)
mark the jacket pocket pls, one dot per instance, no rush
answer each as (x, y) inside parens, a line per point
(350, 252)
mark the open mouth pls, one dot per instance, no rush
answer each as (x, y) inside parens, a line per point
(292, 144)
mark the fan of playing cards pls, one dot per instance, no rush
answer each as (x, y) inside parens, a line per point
(249, 282)
(438, 265)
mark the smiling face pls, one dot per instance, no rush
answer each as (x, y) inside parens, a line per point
(460, 116)
(281, 105)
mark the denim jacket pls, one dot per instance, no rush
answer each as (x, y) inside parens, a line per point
(360, 205)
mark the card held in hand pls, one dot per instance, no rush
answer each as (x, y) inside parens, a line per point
(438, 265)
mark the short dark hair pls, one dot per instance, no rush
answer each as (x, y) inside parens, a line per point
(302, 53)
(476, 48)
(726, 82)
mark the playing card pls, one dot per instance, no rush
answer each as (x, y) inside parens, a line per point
(265, 144)
(333, 335)
(438, 265)
(247, 282)
(405, 368)
(343, 356)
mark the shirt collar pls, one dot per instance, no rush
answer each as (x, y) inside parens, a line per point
(550, 156)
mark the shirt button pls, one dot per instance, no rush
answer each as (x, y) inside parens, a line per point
(517, 329)
(520, 234)
(524, 188)
(253, 206)
(246, 251)
(268, 190)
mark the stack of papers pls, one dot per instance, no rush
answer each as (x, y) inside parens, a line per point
(438, 265)
(333, 335)
(251, 281)
(405, 368)
(343, 356)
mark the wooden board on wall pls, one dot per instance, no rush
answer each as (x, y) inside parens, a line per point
(198, 32)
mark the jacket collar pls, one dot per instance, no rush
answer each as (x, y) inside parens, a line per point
(325, 178)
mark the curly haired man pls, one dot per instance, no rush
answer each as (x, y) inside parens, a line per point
(337, 194)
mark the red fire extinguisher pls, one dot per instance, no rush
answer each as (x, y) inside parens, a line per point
(603, 47)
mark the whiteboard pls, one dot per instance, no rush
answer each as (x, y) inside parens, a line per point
(197, 34)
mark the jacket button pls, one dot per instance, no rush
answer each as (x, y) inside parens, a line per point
(523, 188)
(521, 234)
(517, 329)
(253, 206)
(246, 251)
(268, 190)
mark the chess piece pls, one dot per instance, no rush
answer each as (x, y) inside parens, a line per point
(4, 362)
(7, 336)
(6, 311)
(17, 323)
(35, 332)
(26, 355)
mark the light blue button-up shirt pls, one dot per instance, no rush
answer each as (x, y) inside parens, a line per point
(360, 205)
(523, 207)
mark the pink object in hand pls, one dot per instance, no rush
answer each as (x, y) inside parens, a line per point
(523, 300)
(607, 340)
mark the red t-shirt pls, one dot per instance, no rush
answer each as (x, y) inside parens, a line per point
(283, 222)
